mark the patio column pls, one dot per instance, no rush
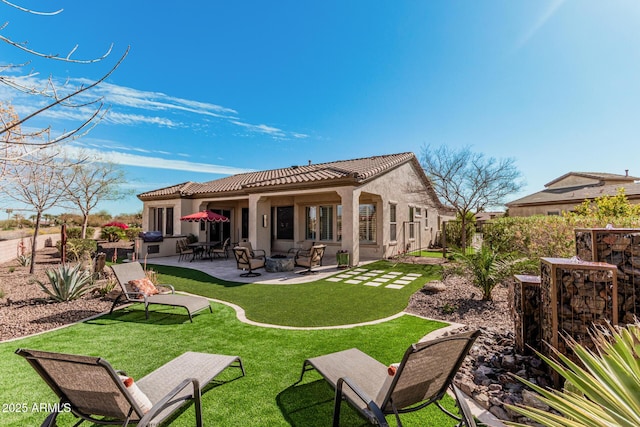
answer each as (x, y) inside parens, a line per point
(259, 229)
(350, 223)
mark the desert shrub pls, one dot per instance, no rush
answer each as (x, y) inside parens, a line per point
(24, 260)
(132, 232)
(67, 283)
(74, 232)
(106, 287)
(79, 248)
(112, 234)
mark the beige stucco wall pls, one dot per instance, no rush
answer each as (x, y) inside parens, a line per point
(401, 186)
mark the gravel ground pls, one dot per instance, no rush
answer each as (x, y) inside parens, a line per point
(24, 307)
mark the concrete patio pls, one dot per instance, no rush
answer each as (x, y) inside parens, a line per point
(226, 269)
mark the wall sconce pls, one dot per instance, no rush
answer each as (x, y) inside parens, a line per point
(264, 221)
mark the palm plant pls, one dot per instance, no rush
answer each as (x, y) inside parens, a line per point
(487, 267)
(67, 283)
(604, 391)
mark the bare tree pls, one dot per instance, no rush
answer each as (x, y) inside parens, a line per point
(50, 95)
(90, 182)
(468, 181)
(36, 184)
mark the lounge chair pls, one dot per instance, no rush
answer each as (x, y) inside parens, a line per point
(254, 253)
(127, 272)
(422, 378)
(310, 258)
(93, 391)
(222, 251)
(245, 261)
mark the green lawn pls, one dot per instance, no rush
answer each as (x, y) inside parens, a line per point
(272, 357)
(320, 303)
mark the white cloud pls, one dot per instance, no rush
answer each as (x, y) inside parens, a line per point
(551, 9)
(153, 162)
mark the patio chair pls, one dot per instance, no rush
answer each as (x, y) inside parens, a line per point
(94, 391)
(128, 272)
(184, 250)
(309, 259)
(422, 378)
(255, 253)
(245, 261)
(222, 251)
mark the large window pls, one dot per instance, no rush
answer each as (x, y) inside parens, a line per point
(284, 218)
(367, 226)
(392, 223)
(310, 223)
(326, 223)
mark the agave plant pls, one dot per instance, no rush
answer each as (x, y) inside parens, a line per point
(67, 283)
(604, 391)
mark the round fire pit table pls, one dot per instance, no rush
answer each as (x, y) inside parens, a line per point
(275, 264)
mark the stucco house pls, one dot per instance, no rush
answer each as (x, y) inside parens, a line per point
(563, 194)
(371, 207)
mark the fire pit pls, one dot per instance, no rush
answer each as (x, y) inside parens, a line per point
(278, 263)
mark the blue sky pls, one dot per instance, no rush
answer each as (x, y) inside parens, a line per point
(212, 87)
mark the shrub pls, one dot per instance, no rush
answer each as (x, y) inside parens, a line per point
(78, 249)
(132, 232)
(67, 283)
(453, 231)
(488, 267)
(112, 234)
(24, 260)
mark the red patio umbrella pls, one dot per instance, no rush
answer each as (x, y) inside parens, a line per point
(205, 216)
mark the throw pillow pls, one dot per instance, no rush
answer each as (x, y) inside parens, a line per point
(139, 397)
(144, 286)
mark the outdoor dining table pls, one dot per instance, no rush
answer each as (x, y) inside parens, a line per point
(206, 247)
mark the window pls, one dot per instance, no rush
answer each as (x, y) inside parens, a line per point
(169, 221)
(159, 215)
(392, 223)
(553, 213)
(412, 231)
(310, 223)
(326, 222)
(339, 223)
(284, 226)
(367, 225)
(244, 227)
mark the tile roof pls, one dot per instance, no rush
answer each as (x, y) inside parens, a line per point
(355, 171)
(603, 176)
(576, 194)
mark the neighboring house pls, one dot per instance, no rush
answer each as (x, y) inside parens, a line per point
(372, 207)
(571, 189)
(483, 217)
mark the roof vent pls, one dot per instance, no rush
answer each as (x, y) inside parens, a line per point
(309, 162)
(626, 172)
(294, 166)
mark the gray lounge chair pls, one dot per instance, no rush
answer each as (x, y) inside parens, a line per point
(132, 271)
(422, 378)
(93, 390)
